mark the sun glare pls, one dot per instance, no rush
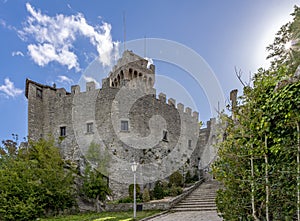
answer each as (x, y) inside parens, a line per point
(288, 45)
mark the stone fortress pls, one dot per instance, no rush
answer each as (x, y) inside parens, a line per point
(124, 120)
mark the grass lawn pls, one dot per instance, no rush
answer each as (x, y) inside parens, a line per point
(104, 216)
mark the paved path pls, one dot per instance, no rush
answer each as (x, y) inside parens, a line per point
(189, 216)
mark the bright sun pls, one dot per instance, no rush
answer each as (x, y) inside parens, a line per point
(288, 45)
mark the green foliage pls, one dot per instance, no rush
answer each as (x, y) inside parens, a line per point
(258, 159)
(98, 157)
(126, 200)
(288, 35)
(158, 191)
(146, 195)
(34, 183)
(188, 177)
(95, 186)
(264, 128)
(9, 148)
(175, 190)
(176, 179)
(130, 190)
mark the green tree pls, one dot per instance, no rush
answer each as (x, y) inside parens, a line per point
(176, 179)
(146, 195)
(98, 158)
(95, 186)
(34, 183)
(258, 162)
(158, 191)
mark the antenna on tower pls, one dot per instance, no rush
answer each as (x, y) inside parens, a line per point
(124, 27)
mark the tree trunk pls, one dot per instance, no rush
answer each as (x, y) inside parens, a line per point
(252, 189)
(98, 208)
(298, 172)
(267, 179)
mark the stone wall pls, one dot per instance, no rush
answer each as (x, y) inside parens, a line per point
(149, 117)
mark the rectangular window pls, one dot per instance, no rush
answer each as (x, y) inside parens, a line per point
(63, 131)
(124, 125)
(190, 143)
(89, 127)
(165, 135)
(39, 93)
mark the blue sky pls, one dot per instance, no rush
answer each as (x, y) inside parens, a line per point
(34, 45)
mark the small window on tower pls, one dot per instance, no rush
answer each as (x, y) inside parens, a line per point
(89, 127)
(63, 131)
(165, 135)
(190, 143)
(124, 125)
(39, 93)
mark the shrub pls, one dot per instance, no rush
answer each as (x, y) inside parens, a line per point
(126, 200)
(188, 177)
(146, 195)
(176, 179)
(175, 190)
(195, 178)
(94, 185)
(158, 191)
(130, 190)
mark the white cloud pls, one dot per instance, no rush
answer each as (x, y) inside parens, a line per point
(63, 79)
(54, 37)
(89, 79)
(5, 25)
(17, 53)
(8, 88)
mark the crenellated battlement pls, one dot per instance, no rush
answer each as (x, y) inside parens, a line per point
(180, 107)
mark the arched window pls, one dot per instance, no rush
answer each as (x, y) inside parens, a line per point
(122, 74)
(140, 74)
(130, 74)
(135, 74)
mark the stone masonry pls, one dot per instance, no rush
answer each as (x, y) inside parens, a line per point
(126, 120)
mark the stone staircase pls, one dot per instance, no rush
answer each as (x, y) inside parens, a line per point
(201, 199)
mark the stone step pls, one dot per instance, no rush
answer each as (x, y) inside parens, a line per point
(201, 196)
(206, 192)
(194, 209)
(196, 198)
(202, 199)
(195, 206)
(197, 203)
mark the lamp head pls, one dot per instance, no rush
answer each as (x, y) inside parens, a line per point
(134, 166)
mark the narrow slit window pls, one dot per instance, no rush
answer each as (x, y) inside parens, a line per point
(89, 127)
(63, 131)
(124, 125)
(165, 135)
(190, 143)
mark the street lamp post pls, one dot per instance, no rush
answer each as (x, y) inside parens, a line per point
(133, 168)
